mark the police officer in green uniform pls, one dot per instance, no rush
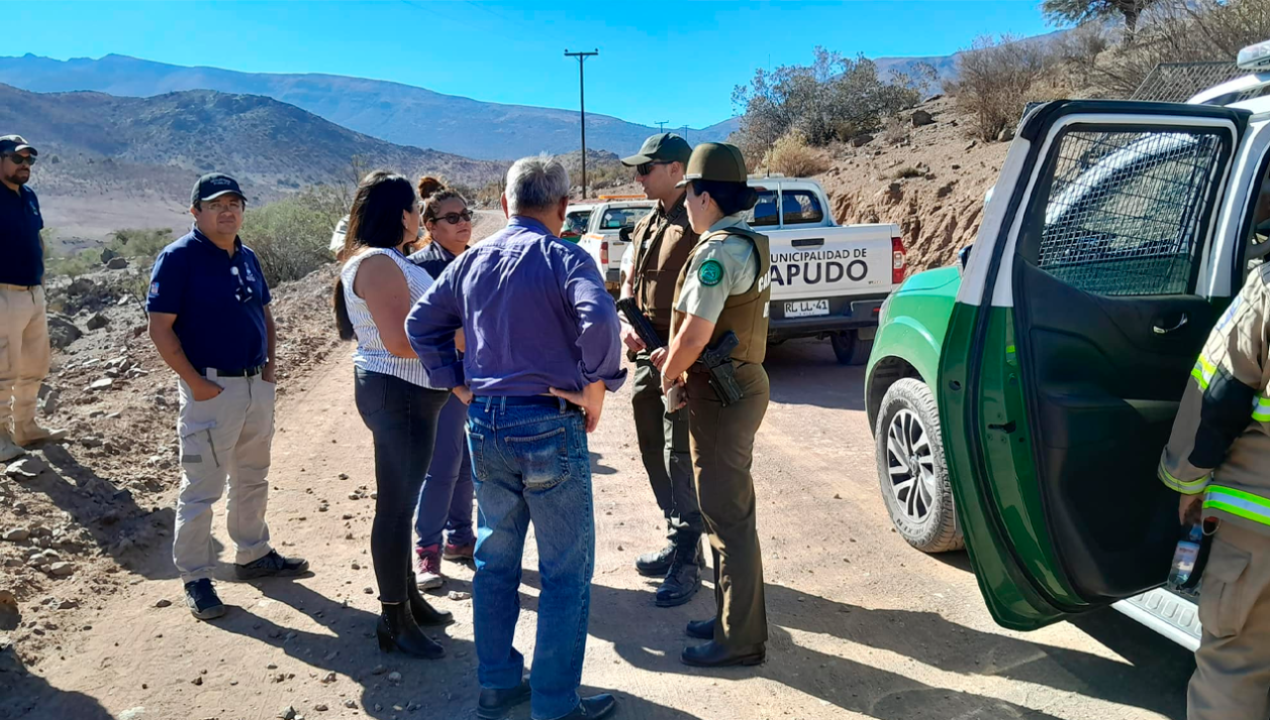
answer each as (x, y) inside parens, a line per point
(661, 243)
(724, 288)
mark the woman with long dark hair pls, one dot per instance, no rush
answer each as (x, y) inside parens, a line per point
(445, 504)
(374, 293)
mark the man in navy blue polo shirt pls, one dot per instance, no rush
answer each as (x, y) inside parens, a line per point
(24, 333)
(210, 320)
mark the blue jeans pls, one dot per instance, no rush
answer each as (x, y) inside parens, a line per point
(532, 463)
(446, 500)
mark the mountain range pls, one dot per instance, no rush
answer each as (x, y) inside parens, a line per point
(398, 113)
(116, 162)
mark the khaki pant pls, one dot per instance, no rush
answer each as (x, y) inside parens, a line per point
(24, 352)
(225, 438)
(1232, 666)
(723, 453)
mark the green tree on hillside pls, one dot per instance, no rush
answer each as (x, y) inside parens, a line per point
(833, 98)
(1081, 11)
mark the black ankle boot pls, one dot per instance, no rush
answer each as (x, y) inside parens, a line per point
(397, 630)
(425, 615)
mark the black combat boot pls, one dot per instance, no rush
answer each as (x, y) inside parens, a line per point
(397, 630)
(683, 579)
(656, 564)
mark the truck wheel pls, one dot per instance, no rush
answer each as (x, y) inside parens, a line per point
(912, 471)
(850, 349)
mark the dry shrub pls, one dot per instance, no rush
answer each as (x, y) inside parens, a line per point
(793, 157)
(896, 131)
(997, 78)
(1176, 31)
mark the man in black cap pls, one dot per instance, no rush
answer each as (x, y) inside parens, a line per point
(210, 321)
(24, 336)
(662, 241)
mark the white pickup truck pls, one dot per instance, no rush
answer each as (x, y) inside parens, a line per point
(828, 280)
(607, 235)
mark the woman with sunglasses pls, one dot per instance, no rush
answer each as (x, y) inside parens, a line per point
(445, 504)
(374, 293)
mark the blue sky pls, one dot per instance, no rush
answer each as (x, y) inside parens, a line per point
(675, 62)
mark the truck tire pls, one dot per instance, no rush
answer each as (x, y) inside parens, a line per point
(912, 472)
(850, 349)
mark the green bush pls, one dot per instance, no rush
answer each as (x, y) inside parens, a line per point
(131, 243)
(292, 236)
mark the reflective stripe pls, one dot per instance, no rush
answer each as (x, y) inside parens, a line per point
(1238, 503)
(1203, 372)
(1261, 411)
(1193, 487)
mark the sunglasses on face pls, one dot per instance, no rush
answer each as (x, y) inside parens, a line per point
(647, 168)
(17, 159)
(455, 218)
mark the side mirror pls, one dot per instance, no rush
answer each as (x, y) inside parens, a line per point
(624, 234)
(963, 257)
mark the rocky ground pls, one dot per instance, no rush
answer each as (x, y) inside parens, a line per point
(75, 517)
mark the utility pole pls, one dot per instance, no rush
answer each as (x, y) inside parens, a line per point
(582, 56)
(661, 125)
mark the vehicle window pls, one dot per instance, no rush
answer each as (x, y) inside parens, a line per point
(575, 223)
(618, 218)
(1125, 212)
(764, 212)
(1259, 232)
(801, 206)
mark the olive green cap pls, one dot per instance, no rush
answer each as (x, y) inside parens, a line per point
(666, 147)
(719, 162)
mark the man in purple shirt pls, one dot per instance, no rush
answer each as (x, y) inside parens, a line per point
(542, 349)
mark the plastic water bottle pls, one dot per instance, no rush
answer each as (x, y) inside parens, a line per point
(1184, 558)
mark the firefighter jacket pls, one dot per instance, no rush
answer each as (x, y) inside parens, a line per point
(1220, 444)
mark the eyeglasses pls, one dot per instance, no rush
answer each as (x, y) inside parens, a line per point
(17, 159)
(455, 218)
(647, 168)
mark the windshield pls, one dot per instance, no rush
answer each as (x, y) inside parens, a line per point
(618, 218)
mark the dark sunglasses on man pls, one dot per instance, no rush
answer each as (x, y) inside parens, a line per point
(17, 159)
(456, 218)
(647, 168)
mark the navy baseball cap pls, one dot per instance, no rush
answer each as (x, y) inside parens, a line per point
(15, 143)
(214, 185)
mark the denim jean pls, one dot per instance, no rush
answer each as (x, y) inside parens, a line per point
(532, 464)
(402, 418)
(446, 500)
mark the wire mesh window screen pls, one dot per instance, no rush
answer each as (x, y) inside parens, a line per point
(1125, 212)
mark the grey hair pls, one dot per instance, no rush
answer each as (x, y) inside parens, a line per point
(535, 183)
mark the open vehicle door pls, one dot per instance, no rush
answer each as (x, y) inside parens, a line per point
(1073, 335)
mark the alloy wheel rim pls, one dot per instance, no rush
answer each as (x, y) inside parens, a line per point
(911, 465)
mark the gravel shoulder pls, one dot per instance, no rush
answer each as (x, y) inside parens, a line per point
(862, 626)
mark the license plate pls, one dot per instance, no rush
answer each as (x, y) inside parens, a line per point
(806, 308)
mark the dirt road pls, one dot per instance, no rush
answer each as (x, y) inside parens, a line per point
(862, 626)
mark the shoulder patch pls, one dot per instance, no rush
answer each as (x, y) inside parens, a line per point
(710, 273)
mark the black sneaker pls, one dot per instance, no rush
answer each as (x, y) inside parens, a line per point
(655, 564)
(272, 565)
(200, 596)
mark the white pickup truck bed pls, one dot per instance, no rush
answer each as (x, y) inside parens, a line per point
(828, 280)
